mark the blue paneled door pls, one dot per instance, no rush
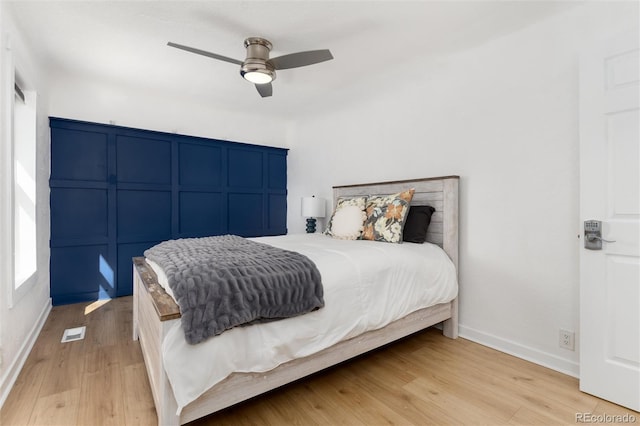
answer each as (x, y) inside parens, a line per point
(117, 191)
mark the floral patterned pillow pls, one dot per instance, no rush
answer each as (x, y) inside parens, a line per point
(386, 216)
(356, 232)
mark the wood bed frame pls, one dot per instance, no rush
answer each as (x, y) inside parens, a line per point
(154, 312)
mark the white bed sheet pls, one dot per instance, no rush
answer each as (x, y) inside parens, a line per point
(367, 285)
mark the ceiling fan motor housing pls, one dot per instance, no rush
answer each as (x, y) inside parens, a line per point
(257, 60)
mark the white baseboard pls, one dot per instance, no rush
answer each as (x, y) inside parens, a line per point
(11, 375)
(536, 356)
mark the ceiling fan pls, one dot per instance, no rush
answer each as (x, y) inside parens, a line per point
(258, 68)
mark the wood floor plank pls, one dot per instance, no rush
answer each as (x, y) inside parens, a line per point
(364, 406)
(425, 379)
(526, 416)
(327, 400)
(615, 414)
(463, 409)
(56, 409)
(136, 394)
(519, 377)
(533, 377)
(101, 398)
(413, 409)
(101, 358)
(102, 326)
(25, 391)
(65, 369)
(519, 388)
(284, 408)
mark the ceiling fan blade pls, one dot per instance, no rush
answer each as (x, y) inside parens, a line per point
(301, 59)
(204, 53)
(265, 90)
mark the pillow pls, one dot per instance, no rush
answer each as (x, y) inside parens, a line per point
(416, 224)
(349, 224)
(386, 216)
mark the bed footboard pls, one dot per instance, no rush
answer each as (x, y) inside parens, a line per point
(151, 321)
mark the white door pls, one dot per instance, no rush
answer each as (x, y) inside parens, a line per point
(610, 192)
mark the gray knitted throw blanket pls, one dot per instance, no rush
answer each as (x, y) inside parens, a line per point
(225, 281)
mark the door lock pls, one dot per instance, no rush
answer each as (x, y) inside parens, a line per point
(593, 235)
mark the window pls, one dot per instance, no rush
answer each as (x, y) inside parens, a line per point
(24, 188)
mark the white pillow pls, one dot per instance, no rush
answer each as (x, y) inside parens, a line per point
(348, 222)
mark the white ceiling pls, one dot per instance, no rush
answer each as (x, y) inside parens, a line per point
(124, 42)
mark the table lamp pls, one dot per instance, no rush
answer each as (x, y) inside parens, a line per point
(312, 208)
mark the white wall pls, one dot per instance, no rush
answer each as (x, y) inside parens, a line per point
(21, 319)
(101, 101)
(503, 116)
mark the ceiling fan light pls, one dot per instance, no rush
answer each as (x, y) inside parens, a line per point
(258, 77)
(257, 71)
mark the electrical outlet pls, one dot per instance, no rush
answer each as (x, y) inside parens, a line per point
(567, 339)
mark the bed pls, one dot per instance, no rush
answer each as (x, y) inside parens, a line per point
(156, 316)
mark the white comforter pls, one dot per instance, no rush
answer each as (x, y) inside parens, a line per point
(367, 285)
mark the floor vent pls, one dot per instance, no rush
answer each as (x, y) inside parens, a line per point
(72, 334)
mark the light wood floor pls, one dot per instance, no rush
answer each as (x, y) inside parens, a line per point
(423, 379)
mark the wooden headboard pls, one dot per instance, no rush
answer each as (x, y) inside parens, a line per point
(440, 193)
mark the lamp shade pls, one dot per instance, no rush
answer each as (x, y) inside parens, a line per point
(313, 207)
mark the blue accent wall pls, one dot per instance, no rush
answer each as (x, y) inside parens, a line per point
(116, 191)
